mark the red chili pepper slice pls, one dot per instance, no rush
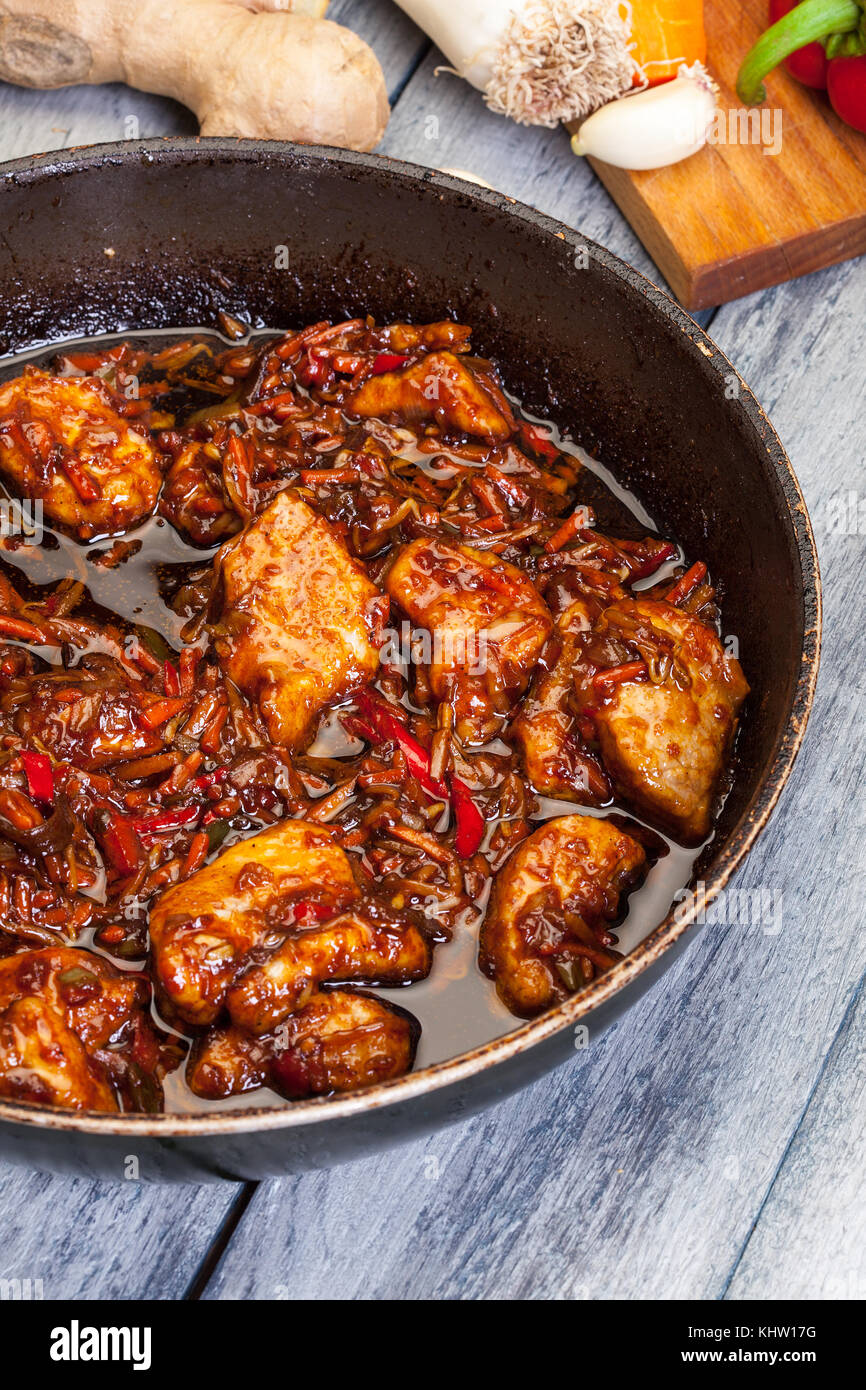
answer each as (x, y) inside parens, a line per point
(687, 582)
(170, 679)
(306, 913)
(210, 779)
(120, 843)
(469, 822)
(644, 569)
(40, 778)
(537, 440)
(85, 361)
(388, 726)
(167, 820)
(387, 362)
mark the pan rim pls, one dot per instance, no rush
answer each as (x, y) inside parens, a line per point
(730, 856)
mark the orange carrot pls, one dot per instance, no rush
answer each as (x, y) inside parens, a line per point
(666, 34)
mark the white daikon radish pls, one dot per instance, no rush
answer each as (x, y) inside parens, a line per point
(538, 61)
(652, 128)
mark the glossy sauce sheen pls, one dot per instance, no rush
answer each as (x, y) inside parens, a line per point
(456, 1005)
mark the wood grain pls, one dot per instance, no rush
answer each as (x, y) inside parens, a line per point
(824, 1175)
(692, 1149)
(89, 1240)
(734, 218)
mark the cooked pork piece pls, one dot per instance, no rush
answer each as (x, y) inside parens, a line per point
(440, 387)
(63, 442)
(487, 622)
(340, 1041)
(557, 761)
(546, 930)
(57, 1008)
(349, 949)
(203, 930)
(91, 720)
(665, 734)
(41, 1059)
(297, 618)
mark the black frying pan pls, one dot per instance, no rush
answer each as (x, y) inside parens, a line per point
(167, 233)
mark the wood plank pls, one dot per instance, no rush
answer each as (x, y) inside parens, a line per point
(820, 1190)
(33, 122)
(89, 1240)
(734, 219)
(639, 1170)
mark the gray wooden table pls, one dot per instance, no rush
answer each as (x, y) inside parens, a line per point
(711, 1144)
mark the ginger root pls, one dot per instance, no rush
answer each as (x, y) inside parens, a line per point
(265, 69)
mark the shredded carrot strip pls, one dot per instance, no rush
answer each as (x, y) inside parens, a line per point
(17, 627)
(616, 675)
(687, 582)
(196, 854)
(160, 712)
(570, 528)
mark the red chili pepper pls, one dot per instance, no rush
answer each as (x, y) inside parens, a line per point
(210, 779)
(167, 820)
(645, 568)
(306, 913)
(537, 440)
(469, 821)
(170, 679)
(809, 63)
(846, 86)
(40, 779)
(388, 726)
(120, 843)
(387, 362)
(834, 27)
(85, 361)
(315, 371)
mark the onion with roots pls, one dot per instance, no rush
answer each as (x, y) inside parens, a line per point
(540, 62)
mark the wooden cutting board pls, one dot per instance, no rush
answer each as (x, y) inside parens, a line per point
(733, 219)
